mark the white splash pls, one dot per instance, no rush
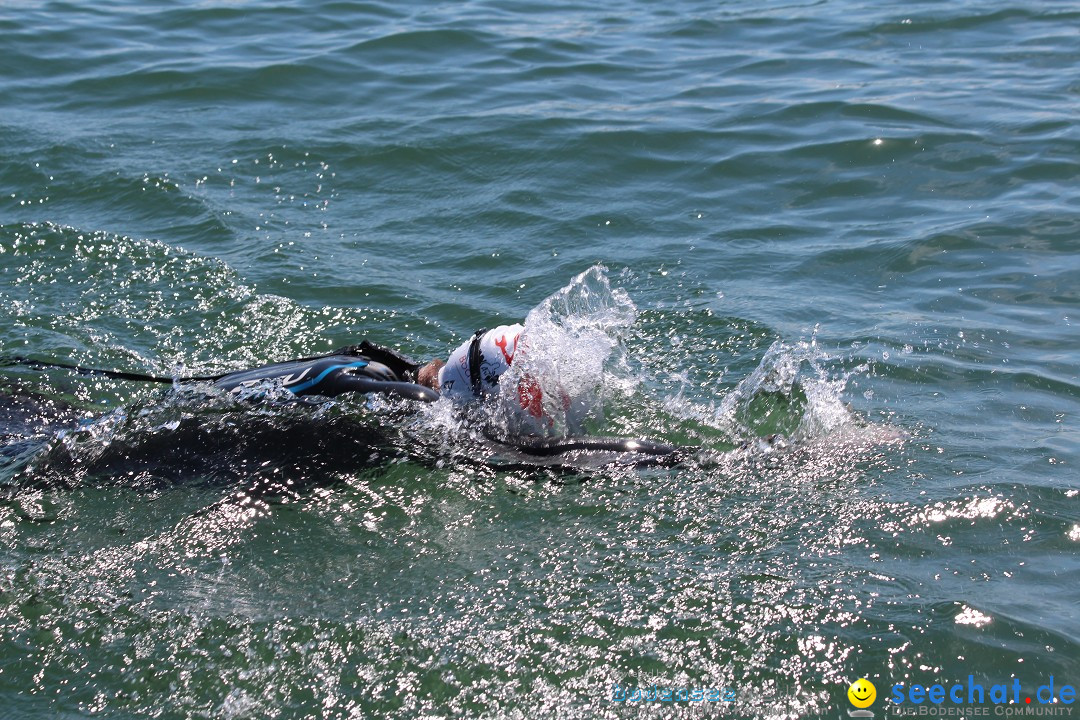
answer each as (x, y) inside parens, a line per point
(780, 372)
(558, 379)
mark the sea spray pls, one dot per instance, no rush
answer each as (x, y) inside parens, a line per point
(558, 379)
(790, 391)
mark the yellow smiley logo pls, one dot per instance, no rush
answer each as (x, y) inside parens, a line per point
(862, 693)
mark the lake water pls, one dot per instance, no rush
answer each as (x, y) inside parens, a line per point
(853, 224)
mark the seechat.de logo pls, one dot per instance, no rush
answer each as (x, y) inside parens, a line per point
(862, 695)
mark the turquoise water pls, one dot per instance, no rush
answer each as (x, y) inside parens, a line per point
(856, 225)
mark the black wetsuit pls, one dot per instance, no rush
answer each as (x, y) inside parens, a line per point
(352, 369)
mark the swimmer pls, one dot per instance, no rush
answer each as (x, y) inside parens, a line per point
(471, 371)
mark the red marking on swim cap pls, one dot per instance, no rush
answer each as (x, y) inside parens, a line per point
(501, 344)
(530, 396)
